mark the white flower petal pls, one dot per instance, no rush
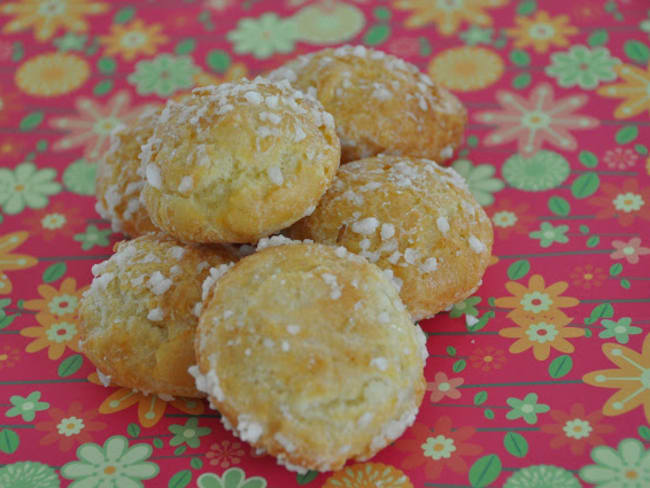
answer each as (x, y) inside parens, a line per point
(631, 451)
(597, 474)
(141, 470)
(606, 456)
(136, 453)
(115, 447)
(91, 453)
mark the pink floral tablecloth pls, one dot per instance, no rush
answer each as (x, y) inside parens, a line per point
(542, 379)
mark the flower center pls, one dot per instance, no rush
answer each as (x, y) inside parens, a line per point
(51, 8)
(109, 470)
(628, 250)
(134, 39)
(2, 104)
(619, 329)
(189, 433)
(444, 386)
(631, 474)
(527, 408)
(588, 276)
(3, 357)
(536, 302)
(542, 31)
(438, 447)
(488, 359)
(504, 219)
(628, 202)
(541, 332)
(106, 126)
(53, 221)
(536, 120)
(27, 406)
(450, 4)
(19, 187)
(577, 428)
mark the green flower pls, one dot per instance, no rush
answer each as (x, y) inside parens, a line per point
(542, 476)
(583, 67)
(93, 237)
(528, 408)
(26, 186)
(479, 179)
(231, 478)
(79, 177)
(627, 467)
(547, 234)
(542, 171)
(70, 42)
(620, 330)
(164, 75)
(477, 35)
(189, 433)
(466, 307)
(338, 22)
(115, 465)
(26, 406)
(28, 474)
(264, 36)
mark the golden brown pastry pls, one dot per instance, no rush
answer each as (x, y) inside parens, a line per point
(140, 313)
(412, 217)
(381, 104)
(238, 161)
(309, 353)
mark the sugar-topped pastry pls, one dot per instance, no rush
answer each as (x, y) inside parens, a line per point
(139, 316)
(238, 161)
(411, 217)
(308, 352)
(381, 103)
(120, 180)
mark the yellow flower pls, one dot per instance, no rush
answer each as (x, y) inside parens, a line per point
(132, 39)
(55, 334)
(9, 261)
(631, 379)
(47, 16)
(635, 91)
(368, 475)
(448, 14)
(542, 31)
(466, 68)
(49, 75)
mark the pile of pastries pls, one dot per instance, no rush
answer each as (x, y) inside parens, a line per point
(287, 233)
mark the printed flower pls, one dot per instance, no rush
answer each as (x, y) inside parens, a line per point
(10, 148)
(541, 31)
(625, 467)
(46, 17)
(508, 217)
(189, 433)
(231, 478)
(132, 39)
(630, 250)
(26, 186)
(547, 234)
(588, 11)
(620, 158)
(576, 428)
(626, 203)
(114, 464)
(225, 453)
(61, 303)
(79, 177)
(542, 334)
(588, 276)
(448, 15)
(92, 128)
(438, 447)
(631, 379)
(70, 42)
(69, 427)
(477, 35)
(8, 356)
(467, 68)
(54, 221)
(466, 307)
(583, 67)
(28, 474)
(368, 475)
(151, 408)
(93, 237)
(264, 36)
(8, 261)
(55, 334)
(487, 358)
(542, 476)
(443, 386)
(619, 330)
(328, 23)
(480, 180)
(635, 90)
(27, 406)
(528, 408)
(163, 75)
(536, 120)
(52, 74)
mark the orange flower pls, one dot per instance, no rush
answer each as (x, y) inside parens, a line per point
(55, 334)
(536, 301)
(8, 261)
(632, 379)
(133, 39)
(542, 334)
(62, 303)
(368, 475)
(542, 31)
(635, 92)
(151, 408)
